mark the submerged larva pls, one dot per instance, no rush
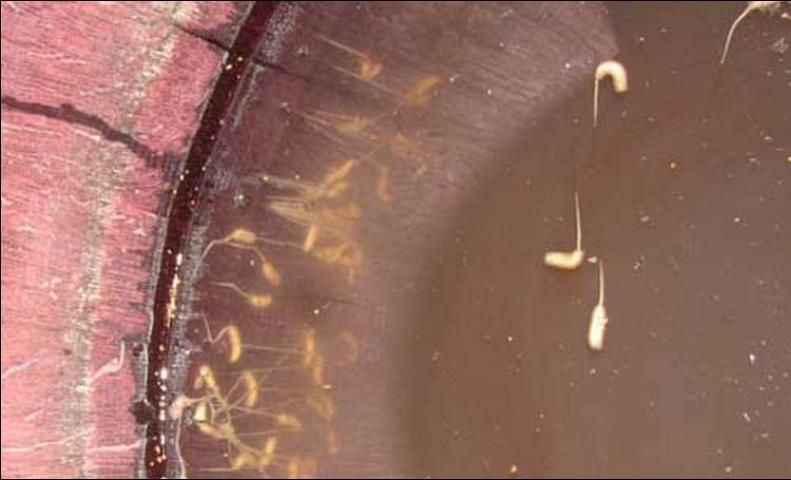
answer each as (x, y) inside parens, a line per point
(322, 405)
(251, 388)
(261, 300)
(234, 340)
(244, 239)
(420, 94)
(267, 453)
(617, 72)
(368, 68)
(289, 421)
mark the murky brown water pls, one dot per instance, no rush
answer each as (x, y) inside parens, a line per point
(441, 345)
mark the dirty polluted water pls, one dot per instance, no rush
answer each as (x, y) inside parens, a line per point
(364, 290)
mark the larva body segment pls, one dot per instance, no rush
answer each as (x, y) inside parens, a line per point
(597, 327)
(234, 344)
(616, 71)
(251, 388)
(267, 453)
(564, 260)
(599, 319)
(569, 260)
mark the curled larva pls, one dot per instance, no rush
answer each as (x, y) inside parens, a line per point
(617, 72)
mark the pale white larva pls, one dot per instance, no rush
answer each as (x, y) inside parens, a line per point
(568, 260)
(564, 260)
(617, 72)
(599, 319)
